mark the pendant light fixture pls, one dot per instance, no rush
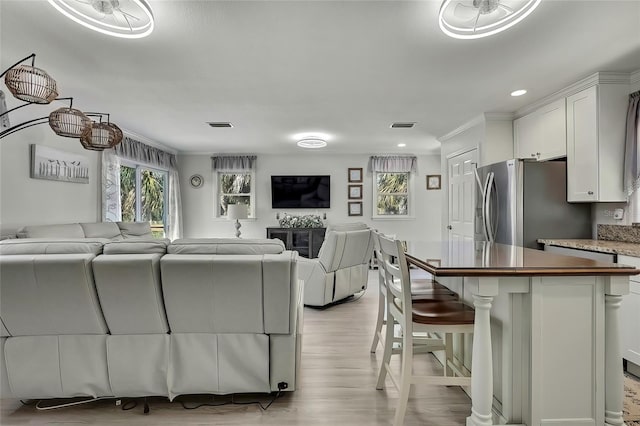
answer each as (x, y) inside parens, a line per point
(69, 122)
(30, 84)
(100, 136)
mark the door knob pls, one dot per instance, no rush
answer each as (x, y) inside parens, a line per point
(590, 192)
(449, 227)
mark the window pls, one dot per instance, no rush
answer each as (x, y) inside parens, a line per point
(392, 196)
(142, 196)
(235, 188)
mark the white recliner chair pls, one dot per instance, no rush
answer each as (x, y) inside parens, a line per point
(341, 268)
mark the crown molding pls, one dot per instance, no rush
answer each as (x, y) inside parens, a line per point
(578, 86)
(482, 118)
(146, 140)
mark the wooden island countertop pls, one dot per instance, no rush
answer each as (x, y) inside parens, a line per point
(477, 259)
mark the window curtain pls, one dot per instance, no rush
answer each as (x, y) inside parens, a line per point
(131, 149)
(233, 163)
(631, 153)
(111, 209)
(393, 164)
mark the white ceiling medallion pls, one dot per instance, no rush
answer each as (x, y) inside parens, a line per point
(468, 19)
(118, 18)
(312, 143)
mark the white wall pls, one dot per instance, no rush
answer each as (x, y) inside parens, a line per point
(198, 203)
(26, 201)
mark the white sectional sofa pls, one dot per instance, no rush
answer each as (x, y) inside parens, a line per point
(132, 318)
(114, 231)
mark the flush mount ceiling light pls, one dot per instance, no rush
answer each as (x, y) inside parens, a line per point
(118, 18)
(518, 92)
(469, 19)
(312, 143)
(402, 145)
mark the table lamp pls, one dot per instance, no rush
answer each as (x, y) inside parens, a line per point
(237, 212)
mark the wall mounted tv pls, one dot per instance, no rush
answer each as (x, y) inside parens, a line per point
(300, 192)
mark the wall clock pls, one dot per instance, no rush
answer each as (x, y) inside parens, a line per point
(196, 181)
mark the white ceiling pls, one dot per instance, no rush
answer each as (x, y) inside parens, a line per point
(345, 68)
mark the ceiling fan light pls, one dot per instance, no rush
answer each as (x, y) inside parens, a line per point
(69, 122)
(99, 16)
(464, 29)
(101, 136)
(31, 84)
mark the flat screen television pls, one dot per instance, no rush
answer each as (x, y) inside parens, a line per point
(300, 192)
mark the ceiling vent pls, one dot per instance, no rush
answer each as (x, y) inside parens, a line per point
(402, 125)
(220, 124)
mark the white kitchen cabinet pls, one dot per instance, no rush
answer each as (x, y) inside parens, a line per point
(596, 120)
(630, 315)
(542, 134)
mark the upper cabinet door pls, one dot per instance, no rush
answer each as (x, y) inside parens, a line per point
(542, 134)
(582, 146)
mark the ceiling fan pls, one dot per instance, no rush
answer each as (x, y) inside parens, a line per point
(120, 18)
(468, 19)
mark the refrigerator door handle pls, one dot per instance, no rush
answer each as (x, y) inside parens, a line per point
(487, 208)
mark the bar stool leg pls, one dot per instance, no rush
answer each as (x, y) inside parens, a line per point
(386, 357)
(482, 369)
(379, 322)
(405, 378)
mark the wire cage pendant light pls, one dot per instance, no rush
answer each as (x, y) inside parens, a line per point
(101, 136)
(69, 122)
(31, 84)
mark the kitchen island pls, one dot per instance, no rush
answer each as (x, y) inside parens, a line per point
(557, 358)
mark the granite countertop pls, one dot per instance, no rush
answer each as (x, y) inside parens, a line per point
(602, 246)
(476, 259)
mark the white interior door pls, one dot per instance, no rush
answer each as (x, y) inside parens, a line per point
(460, 169)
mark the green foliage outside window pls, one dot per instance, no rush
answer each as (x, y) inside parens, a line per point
(235, 188)
(152, 189)
(392, 194)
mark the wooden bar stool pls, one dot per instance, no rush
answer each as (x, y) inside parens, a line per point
(421, 289)
(444, 317)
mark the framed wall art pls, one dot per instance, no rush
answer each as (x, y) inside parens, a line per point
(355, 192)
(433, 181)
(53, 164)
(355, 174)
(355, 208)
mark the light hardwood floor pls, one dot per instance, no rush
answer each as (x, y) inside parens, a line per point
(337, 387)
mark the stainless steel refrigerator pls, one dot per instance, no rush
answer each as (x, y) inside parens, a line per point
(519, 201)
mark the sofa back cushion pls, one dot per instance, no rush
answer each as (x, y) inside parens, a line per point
(134, 246)
(49, 294)
(135, 229)
(52, 246)
(228, 293)
(69, 230)
(108, 230)
(226, 246)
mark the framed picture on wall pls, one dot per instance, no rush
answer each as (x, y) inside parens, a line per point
(355, 192)
(54, 164)
(355, 174)
(433, 181)
(355, 208)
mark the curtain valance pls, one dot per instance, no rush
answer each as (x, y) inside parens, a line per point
(393, 163)
(631, 153)
(134, 150)
(234, 162)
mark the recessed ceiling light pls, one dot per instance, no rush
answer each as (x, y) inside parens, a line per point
(405, 125)
(402, 145)
(220, 124)
(518, 92)
(312, 143)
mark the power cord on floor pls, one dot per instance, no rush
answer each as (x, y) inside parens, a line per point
(232, 402)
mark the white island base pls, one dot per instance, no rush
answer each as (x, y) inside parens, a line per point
(556, 358)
